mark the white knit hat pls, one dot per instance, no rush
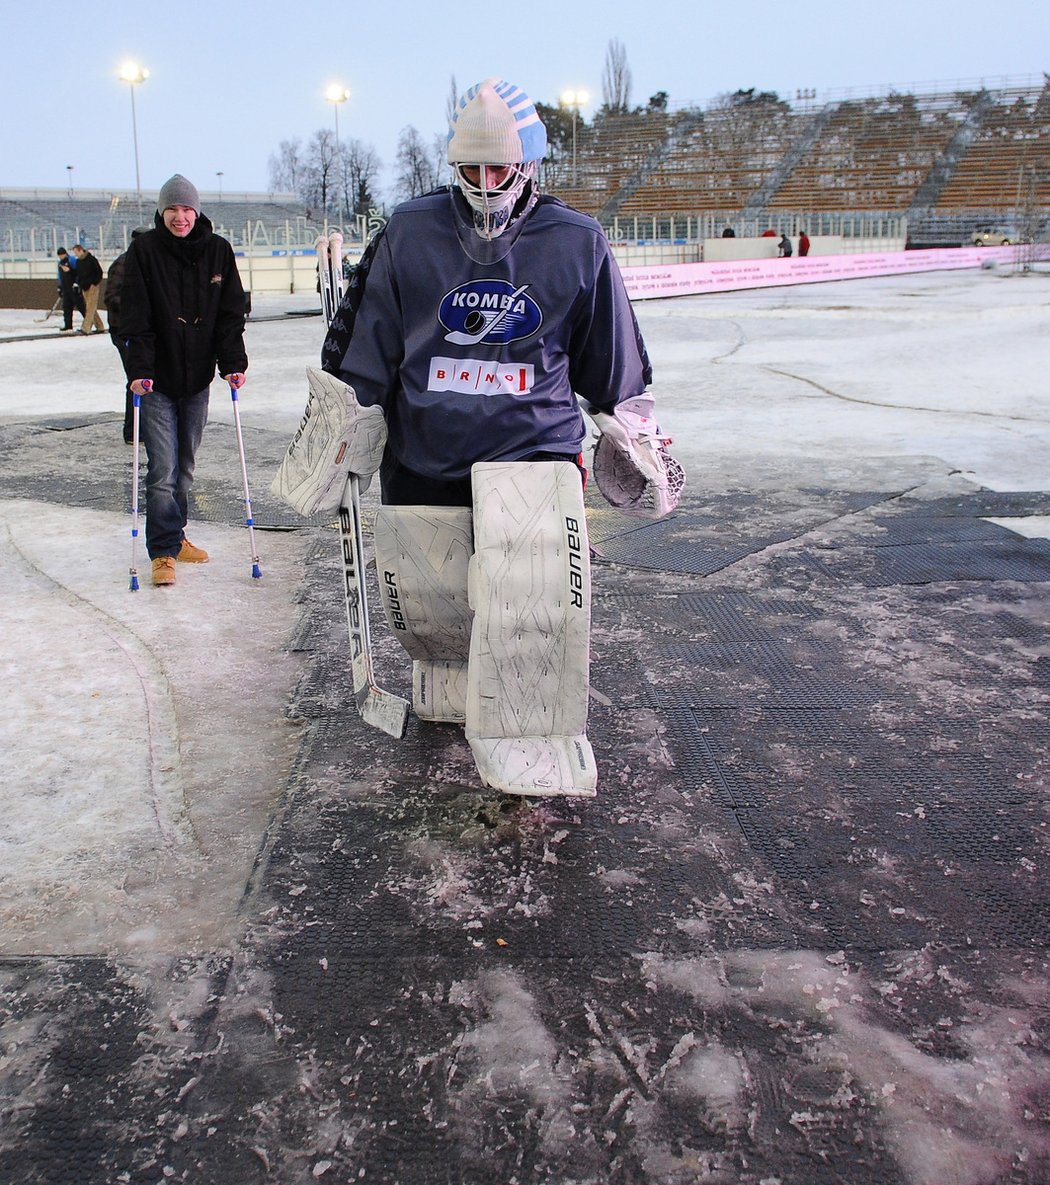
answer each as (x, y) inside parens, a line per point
(495, 122)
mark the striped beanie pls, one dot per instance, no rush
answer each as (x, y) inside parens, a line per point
(495, 123)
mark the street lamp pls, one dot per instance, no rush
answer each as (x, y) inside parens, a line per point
(132, 73)
(574, 100)
(336, 94)
(69, 182)
(219, 174)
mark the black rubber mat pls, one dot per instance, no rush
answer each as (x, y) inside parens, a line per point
(804, 920)
(1015, 559)
(990, 503)
(912, 529)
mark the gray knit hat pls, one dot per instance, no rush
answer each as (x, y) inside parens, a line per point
(177, 191)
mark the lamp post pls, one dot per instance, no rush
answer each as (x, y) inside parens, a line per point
(219, 174)
(132, 73)
(574, 100)
(69, 182)
(336, 94)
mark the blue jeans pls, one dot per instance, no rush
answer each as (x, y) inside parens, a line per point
(171, 431)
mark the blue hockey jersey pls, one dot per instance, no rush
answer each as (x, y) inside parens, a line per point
(483, 361)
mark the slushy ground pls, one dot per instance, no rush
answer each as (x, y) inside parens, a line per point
(800, 936)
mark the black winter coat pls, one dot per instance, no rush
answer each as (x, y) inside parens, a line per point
(67, 275)
(182, 309)
(114, 280)
(89, 271)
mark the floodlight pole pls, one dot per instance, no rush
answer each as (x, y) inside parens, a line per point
(336, 94)
(574, 99)
(133, 74)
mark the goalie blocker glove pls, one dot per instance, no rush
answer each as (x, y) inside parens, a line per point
(337, 437)
(632, 467)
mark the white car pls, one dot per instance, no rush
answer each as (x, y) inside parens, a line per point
(993, 236)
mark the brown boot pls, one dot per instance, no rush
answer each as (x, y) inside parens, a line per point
(164, 569)
(188, 554)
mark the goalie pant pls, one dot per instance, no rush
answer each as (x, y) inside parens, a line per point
(493, 606)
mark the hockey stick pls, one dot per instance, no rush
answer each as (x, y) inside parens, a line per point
(54, 309)
(249, 521)
(377, 707)
(324, 279)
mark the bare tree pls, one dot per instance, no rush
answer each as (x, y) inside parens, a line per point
(359, 168)
(417, 170)
(616, 79)
(287, 167)
(320, 185)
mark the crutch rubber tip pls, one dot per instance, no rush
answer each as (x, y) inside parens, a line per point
(256, 572)
(134, 584)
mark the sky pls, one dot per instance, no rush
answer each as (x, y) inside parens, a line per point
(228, 83)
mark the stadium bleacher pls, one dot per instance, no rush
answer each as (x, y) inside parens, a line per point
(44, 219)
(1010, 151)
(873, 154)
(945, 158)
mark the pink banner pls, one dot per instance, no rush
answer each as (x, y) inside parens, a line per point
(690, 279)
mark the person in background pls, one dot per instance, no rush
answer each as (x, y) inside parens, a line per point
(89, 278)
(785, 247)
(67, 287)
(181, 314)
(803, 243)
(114, 279)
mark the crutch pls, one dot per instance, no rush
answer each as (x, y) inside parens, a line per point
(249, 521)
(134, 571)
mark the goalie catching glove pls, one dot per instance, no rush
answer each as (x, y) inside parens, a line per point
(337, 437)
(632, 466)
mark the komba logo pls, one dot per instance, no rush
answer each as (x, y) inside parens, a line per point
(490, 311)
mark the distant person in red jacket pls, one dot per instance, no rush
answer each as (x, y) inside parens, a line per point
(803, 243)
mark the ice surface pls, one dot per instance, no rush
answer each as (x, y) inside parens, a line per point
(130, 745)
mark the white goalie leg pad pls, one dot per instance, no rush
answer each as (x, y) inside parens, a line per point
(422, 557)
(336, 437)
(530, 589)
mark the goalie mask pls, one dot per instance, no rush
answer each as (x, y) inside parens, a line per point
(495, 141)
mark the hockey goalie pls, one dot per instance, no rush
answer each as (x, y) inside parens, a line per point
(454, 367)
